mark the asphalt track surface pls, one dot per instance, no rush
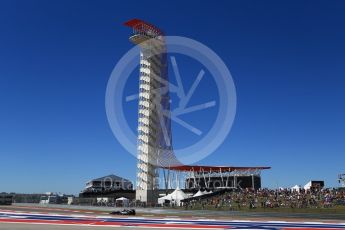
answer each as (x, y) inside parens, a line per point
(4, 226)
(20, 218)
(149, 212)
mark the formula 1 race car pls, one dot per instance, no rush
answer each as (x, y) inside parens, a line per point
(126, 212)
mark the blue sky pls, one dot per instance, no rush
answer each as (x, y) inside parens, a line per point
(286, 59)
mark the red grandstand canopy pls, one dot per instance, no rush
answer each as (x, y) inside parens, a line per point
(199, 168)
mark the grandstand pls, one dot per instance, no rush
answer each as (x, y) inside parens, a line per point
(219, 177)
(6, 198)
(274, 199)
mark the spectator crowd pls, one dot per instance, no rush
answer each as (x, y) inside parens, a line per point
(266, 198)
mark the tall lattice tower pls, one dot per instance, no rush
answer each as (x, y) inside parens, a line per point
(154, 131)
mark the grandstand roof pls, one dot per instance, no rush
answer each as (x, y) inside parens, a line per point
(200, 168)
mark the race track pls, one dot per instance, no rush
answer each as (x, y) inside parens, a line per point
(54, 221)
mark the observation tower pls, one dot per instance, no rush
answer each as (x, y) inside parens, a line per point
(155, 148)
(154, 125)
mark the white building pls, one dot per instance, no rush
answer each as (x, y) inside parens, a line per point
(108, 183)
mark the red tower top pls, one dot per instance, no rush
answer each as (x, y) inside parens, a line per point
(141, 26)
